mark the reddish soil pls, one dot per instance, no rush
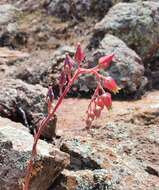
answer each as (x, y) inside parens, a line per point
(71, 115)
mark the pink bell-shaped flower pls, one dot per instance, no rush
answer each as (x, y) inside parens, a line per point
(110, 84)
(107, 100)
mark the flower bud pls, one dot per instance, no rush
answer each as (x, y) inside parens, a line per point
(68, 63)
(107, 100)
(105, 61)
(62, 81)
(110, 84)
(79, 55)
(50, 94)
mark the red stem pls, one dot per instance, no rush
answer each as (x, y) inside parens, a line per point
(43, 125)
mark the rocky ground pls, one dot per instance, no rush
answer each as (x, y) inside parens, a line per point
(121, 150)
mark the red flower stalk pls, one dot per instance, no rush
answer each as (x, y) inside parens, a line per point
(110, 84)
(104, 61)
(65, 82)
(79, 54)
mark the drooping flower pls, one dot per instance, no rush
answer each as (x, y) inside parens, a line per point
(110, 84)
(107, 100)
(79, 54)
(99, 102)
(104, 61)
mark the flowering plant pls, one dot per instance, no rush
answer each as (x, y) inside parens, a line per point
(99, 100)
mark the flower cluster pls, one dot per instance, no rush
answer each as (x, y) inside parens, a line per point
(101, 98)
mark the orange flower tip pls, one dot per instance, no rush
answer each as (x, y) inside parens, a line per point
(116, 91)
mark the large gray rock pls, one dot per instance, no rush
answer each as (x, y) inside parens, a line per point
(15, 150)
(98, 165)
(25, 103)
(126, 68)
(88, 154)
(137, 24)
(16, 93)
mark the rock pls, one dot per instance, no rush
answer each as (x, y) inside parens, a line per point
(33, 70)
(33, 29)
(29, 5)
(25, 103)
(87, 154)
(85, 180)
(15, 151)
(78, 8)
(7, 13)
(9, 34)
(30, 98)
(152, 71)
(9, 56)
(137, 24)
(148, 115)
(119, 152)
(153, 170)
(117, 178)
(126, 68)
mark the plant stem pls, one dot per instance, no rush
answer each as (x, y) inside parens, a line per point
(43, 125)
